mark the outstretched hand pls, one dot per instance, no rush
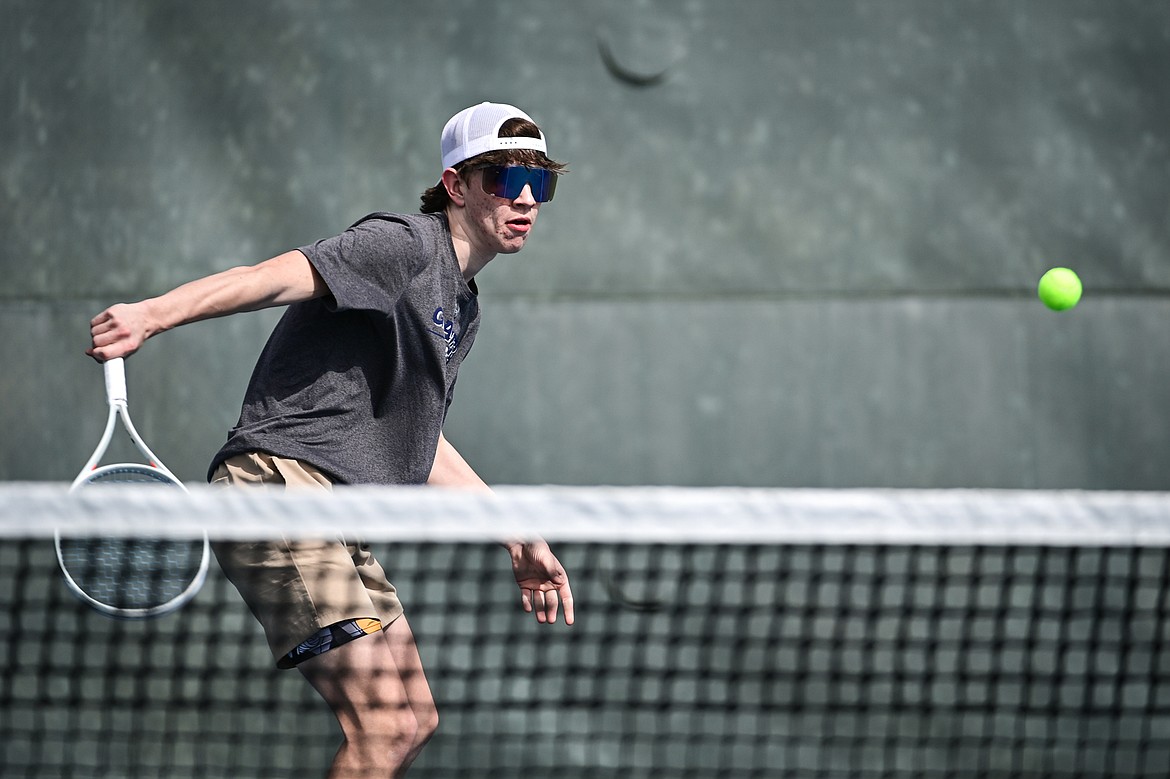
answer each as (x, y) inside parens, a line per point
(543, 583)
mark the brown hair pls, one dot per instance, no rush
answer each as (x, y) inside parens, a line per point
(436, 199)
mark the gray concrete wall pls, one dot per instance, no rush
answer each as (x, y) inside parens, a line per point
(798, 246)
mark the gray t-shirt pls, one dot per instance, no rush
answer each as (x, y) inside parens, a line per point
(358, 382)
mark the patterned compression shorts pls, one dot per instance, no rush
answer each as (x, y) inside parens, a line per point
(328, 638)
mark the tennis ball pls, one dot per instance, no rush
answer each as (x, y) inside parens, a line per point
(1060, 289)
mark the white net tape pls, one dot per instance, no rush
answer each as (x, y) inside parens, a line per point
(601, 514)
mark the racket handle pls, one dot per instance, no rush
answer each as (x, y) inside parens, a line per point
(115, 380)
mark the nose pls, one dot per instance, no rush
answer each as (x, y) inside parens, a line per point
(525, 198)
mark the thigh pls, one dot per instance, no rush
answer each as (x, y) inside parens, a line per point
(403, 649)
(381, 673)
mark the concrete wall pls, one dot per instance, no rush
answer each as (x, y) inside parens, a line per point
(798, 246)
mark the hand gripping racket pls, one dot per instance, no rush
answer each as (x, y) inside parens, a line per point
(130, 578)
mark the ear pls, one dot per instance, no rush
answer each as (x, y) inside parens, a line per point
(456, 187)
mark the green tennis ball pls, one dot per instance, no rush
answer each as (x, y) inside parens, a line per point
(1060, 289)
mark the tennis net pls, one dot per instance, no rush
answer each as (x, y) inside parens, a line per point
(719, 633)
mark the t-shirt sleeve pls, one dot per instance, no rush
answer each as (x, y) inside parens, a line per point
(370, 265)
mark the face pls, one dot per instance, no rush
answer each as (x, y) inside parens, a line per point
(500, 226)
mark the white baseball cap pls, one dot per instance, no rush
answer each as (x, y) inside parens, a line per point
(476, 130)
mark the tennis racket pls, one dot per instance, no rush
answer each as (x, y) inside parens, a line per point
(130, 578)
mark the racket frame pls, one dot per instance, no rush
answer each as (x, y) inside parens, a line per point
(116, 398)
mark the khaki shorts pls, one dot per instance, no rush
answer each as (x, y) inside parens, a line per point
(297, 587)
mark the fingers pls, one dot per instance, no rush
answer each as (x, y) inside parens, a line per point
(548, 603)
(111, 336)
(545, 603)
(103, 331)
(534, 601)
(100, 320)
(566, 594)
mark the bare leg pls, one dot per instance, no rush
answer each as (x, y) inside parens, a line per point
(377, 690)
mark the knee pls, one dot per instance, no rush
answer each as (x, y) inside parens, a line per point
(381, 730)
(426, 723)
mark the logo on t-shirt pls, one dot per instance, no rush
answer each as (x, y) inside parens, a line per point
(447, 323)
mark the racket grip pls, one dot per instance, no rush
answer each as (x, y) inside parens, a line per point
(115, 380)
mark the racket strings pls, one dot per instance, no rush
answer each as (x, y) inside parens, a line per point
(131, 573)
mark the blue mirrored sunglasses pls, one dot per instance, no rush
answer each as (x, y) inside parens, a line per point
(507, 181)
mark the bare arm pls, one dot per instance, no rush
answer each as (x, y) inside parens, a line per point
(543, 583)
(451, 470)
(121, 329)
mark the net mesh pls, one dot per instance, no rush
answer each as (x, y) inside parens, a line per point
(924, 649)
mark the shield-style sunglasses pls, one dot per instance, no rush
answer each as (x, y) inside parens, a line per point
(507, 181)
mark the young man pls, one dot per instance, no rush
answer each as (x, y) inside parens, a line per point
(353, 388)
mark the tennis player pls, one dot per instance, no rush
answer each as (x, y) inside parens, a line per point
(353, 388)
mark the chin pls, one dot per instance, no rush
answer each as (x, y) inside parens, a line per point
(511, 247)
